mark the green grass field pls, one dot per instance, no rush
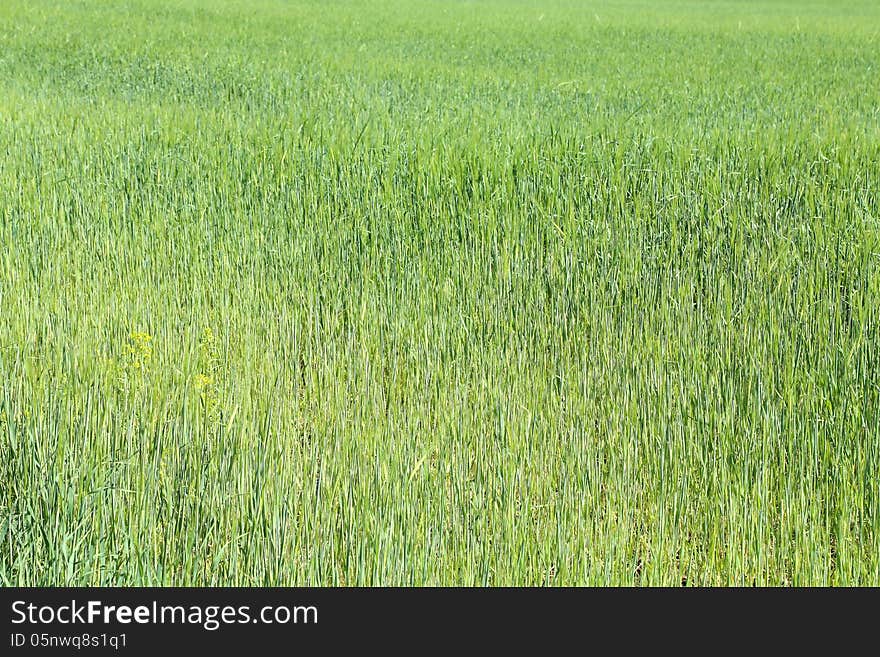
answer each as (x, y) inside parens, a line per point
(500, 292)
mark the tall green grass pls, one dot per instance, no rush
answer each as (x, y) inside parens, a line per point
(439, 293)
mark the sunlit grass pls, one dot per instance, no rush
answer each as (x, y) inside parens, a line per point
(439, 293)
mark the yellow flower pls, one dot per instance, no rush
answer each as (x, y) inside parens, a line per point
(140, 350)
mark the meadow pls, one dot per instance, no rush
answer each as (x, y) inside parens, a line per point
(541, 292)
